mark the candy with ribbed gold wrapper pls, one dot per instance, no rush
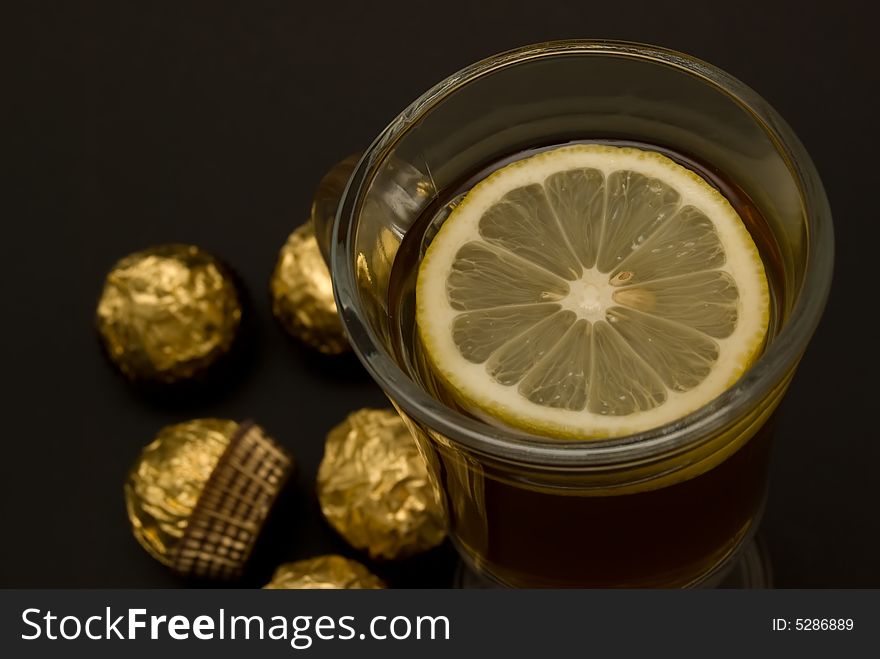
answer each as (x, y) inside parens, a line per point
(168, 313)
(375, 489)
(324, 573)
(302, 294)
(199, 494)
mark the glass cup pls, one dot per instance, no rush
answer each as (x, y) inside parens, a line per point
(668, 507)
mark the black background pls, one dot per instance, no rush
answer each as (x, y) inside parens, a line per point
(140, 123)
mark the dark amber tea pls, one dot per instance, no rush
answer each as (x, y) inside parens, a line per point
(671, 532)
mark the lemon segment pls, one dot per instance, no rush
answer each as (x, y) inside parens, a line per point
(591, 291)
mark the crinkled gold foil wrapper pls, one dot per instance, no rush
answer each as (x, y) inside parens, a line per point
(168, 313)
(302, 294)
(375, 489)
(324, 573)
(199, 494)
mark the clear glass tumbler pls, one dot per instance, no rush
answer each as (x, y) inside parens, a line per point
(668, 507)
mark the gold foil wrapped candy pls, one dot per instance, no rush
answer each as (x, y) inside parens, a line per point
(168, 313)
(199, 494)
(302, 294)
(323, 573)
(374, 487)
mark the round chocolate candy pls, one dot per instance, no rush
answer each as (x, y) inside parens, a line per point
(168, 313)
(199, 494)
(324, 573)
(375, 489)
(302, 294)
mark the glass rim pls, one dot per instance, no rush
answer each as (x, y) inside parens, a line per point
(511, 445)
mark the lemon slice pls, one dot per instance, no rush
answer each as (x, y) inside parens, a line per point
(591, 291)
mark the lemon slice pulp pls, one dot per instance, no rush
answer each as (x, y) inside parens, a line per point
(591, 291)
